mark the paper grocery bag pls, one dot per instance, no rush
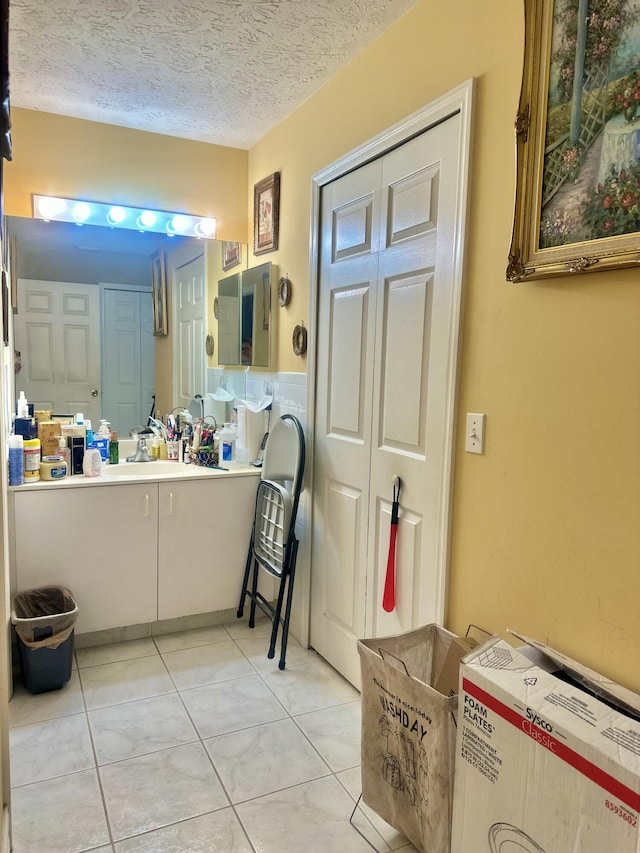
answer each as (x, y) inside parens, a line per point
(408, 731)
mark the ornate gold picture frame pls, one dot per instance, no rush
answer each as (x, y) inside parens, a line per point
(577, 205)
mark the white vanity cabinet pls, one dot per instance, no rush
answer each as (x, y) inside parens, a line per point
(203, 538)
(133, 553)
(100, 542)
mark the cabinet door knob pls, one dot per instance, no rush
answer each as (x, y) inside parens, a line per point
(146, 506)
(170, 504)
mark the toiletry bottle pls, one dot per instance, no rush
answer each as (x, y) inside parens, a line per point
(92, 463)
(114, 452)
(16, 460)
(31, 460)
(22, 408)
(227, 445)
(101, 439)
(64, 452)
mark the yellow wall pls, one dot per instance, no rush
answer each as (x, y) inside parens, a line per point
(546, 537)
(56, 155)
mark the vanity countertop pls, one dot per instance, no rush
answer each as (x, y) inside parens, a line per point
(142, 472)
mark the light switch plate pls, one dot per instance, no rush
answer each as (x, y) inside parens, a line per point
(475, 433)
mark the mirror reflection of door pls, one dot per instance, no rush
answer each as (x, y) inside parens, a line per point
(245, 321)
(189, 287)
(57, 333)
(128, 366)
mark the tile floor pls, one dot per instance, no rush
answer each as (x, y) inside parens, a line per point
(192, 743)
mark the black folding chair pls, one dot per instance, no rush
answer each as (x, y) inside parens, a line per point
(274, 546)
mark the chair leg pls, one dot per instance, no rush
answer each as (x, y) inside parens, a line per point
(245, 581)
(287, 612)
(276, 616)
(253, 596)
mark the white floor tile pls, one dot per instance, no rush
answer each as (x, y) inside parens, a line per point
(310, 687)
(313, 818)
(232, 705)
(25, 708)
(240, 629)
(207, 665)
(52, 748)
(60, 815)
(149, 703)
(192, 638)
(159, 789)
(125, 681)
(218, 832)
(116, 652)
(352, 781)
(335, 733)
(135, 728)
(255, 649)
(263, 759)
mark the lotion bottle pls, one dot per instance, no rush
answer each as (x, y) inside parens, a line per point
(92, 463)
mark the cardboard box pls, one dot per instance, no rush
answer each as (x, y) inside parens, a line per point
(546, 759)
(408, 731)
(49, 433)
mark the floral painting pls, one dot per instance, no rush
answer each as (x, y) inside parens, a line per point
(579, 137)
(591, 166)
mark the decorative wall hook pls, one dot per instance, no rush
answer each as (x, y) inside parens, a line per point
(284, 291)
(299, 340)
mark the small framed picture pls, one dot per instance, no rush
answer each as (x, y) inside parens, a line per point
(231, 254)
(266, 214)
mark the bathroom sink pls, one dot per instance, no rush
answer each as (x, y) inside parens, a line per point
(144, 469)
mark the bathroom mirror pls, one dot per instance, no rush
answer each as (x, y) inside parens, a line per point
(245, 319)
(89, 255)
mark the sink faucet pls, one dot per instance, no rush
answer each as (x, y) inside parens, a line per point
(142, 452)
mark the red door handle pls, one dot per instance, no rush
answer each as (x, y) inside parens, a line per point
(389, 597)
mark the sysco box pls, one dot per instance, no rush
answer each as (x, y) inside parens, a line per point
(547, 755)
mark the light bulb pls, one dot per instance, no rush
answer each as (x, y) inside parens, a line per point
(116, 215)
(147, 219)
(178, 224)
(81, 211)
(49, 207)
(206, 227)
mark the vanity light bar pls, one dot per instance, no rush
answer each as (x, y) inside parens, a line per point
(118, 216)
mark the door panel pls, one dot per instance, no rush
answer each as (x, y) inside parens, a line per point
(129, 368)
(57, 331)
(404, 369)
(190, 288)
(383, 355)
(348, 321)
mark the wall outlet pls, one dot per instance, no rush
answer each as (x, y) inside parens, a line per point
(475, 433)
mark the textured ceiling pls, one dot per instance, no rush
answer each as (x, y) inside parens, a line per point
(220, 71)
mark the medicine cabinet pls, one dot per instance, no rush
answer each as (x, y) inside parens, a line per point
(246, 333)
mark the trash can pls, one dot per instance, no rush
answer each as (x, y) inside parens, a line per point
(44, 620)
